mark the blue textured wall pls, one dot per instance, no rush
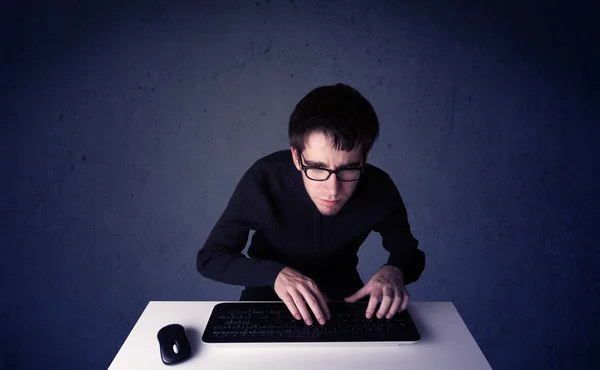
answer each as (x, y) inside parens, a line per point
(125, 127)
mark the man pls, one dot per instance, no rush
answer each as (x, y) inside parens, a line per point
(311, 208)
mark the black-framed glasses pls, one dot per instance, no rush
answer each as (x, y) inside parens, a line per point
(323, 174)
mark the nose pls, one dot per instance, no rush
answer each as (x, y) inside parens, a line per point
(333, 186)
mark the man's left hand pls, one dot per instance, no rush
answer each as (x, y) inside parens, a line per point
(388, 283)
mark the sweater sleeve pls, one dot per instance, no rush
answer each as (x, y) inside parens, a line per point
(398, 239)
(221, 258)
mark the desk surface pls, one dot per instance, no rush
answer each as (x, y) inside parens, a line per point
(445, 343)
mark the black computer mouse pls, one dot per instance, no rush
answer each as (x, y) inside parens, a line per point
(174, 344)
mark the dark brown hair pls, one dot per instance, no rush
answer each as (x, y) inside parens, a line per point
(340, 112)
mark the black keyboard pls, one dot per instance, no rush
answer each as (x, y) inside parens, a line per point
(271, 322)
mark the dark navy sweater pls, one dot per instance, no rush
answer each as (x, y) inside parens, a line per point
(271, 200)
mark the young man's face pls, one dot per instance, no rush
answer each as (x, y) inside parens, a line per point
(330, 195)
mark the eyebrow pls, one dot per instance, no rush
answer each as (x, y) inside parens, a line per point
(323, 165)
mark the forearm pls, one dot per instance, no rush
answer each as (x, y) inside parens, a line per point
(411, 266)
(216, 263)
(398, 239)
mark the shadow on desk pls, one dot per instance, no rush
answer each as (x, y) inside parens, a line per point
(427, 335)
(195, 339)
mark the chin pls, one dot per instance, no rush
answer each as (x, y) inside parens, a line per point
(330, 211)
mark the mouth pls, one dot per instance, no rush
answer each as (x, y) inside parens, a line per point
(330, 203)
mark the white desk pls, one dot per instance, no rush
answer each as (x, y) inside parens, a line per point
(445, 343)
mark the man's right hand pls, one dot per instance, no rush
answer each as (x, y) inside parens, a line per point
(294, 288)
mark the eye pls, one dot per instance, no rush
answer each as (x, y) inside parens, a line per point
(317, 173)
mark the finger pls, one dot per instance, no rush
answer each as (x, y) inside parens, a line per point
(313, 303)
(372, 304)
(405, 299)
(299, 301)
(322, 299)
(362, 292)
(291, 305)
(395, 305)
(388, 297)
(326, 307)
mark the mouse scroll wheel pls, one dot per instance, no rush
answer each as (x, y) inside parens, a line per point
(176, 348)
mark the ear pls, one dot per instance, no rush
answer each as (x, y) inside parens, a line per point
(294, 153)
